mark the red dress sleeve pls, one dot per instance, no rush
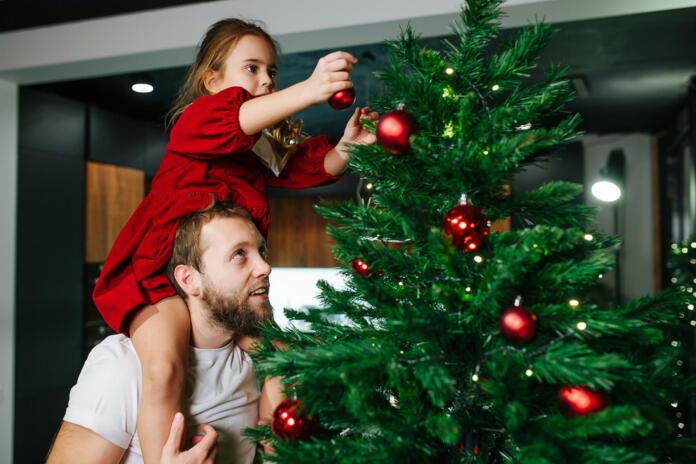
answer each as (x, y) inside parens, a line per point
(209, 127)
(306, 168)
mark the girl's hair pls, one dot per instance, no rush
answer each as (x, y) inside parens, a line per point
(212, 53)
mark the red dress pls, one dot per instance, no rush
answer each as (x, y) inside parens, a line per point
(208, 154)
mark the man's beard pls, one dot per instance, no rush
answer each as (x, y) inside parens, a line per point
(233, 312)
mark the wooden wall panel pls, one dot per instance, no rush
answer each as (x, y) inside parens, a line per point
(297, 235)
(112, 194)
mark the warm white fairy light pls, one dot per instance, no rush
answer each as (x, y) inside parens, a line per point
(692, 261)
(393, 401)
(449, 71)
(574, 303)
(588, 237)
(680, 425)
(693, 244)
(678, 414)
(468, 289)
(495, 87)
(673, 280)
(535, 245)
(401, 284)
(478, 259)
(524, 127)
(529, 372)
(369, 186)
(581, 325)
(475, 378)
(690, 307)
(680, 362)
(485, 152)
(601, 276)
(685, 250)
(675, 404)
(674, 246)
(675, 343)
(690, 290)
(693, 323)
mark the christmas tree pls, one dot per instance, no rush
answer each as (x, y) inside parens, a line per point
(465, 344)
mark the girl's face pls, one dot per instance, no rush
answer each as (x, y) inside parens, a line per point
(250, 65)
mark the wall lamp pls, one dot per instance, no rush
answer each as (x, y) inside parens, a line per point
(608, 187)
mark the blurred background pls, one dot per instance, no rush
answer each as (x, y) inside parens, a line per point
(79, 149)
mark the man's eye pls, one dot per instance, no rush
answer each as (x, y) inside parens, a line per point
(252, 68)
(273, 74)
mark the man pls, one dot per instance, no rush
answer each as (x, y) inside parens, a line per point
(219, 267)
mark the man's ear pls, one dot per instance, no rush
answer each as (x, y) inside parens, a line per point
(210, 80)
(188, 279)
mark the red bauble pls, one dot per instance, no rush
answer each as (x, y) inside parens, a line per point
(342, 99)
(394, 130)
(580, 401)
(467, 225)
(361, 267)
(518, 324)
(290, 421)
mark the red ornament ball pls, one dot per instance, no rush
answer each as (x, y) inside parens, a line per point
(342, 99)
(467, 225)
(580, 401)
(394, 130)
(361, 267)
(518, 324)
(290, 421)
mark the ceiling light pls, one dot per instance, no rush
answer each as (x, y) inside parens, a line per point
(142, 84)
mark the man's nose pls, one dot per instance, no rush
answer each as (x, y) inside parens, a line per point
(261, 267)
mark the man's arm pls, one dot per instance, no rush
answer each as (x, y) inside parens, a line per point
(75, 443)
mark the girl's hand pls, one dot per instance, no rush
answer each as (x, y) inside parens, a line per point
(355, 132)
(331, 74)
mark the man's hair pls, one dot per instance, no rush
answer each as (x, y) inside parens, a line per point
(186, 249)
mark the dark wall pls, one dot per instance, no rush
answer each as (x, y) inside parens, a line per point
(56, 136)
(50, 246)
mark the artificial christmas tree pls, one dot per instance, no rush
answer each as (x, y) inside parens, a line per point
(422, 372)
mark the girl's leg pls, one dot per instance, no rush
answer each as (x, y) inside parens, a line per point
(160, 335)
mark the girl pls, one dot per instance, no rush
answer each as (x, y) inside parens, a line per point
(227, 99)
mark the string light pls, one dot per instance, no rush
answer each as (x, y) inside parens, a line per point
(675, 404)
(680, 362)
(690, 307)
(468, 289)
(495, 87)
(680, 425)
(529, 372)
(581, 325)
(369, 186)
(693, 244)
(673, 280)
(449, 71)
(693, 323)
(447, 92)
(588, 237)
(601, 276)
(449, 130)
(574, 303)
(475, 378)
(478, 259)
(674, 246)
(524, 127)
(685, 250)
(675, 343)
(401, 284)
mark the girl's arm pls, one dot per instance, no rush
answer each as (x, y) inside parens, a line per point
(160, 335)
(331, 74)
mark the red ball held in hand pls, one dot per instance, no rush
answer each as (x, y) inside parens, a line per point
(290, 421)
(467, 225)
(342, 99)
(581, 401)
(517, 324)
(394, 130)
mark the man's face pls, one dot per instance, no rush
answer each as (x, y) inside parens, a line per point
(234, 274)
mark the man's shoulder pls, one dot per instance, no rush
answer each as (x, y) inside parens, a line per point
(114, 357)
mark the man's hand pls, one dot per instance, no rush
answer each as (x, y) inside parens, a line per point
(203, 452)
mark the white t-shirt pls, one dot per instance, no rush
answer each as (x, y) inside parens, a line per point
(221, 390)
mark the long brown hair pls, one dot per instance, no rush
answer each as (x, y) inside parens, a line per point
(212, 53)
